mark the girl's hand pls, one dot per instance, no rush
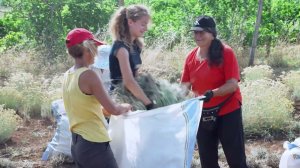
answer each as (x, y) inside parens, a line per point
(125, 108)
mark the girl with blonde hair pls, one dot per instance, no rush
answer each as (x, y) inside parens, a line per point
(128, 26)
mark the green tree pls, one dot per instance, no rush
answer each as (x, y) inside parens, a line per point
(47, 22)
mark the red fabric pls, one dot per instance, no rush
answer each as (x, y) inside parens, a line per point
(204, 77)
(78, 35)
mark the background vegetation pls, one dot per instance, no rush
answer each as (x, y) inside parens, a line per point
(33, 55)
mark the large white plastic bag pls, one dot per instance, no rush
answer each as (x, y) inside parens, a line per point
(159, 138)
(291, 156)
(61, 141)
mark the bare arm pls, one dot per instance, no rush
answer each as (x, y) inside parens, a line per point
(187, 87)
(128, 79)
(229, 87)
(89, 83)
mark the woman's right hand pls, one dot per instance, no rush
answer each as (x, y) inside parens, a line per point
(124, 108)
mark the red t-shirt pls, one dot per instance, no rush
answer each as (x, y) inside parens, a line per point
(204, 77)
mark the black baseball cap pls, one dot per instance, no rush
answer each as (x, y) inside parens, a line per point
(203, 23)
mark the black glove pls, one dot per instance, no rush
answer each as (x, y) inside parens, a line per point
(150, 106)
(208, 95)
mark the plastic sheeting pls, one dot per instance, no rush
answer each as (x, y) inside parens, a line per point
(161, 138)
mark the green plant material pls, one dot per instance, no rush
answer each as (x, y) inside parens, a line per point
(161, 92)
(266, 107)
(277, 60)
(29, 95)
(290, 55)
(52, 91)
(11, 39)
(11, 98)
(30, 87)
(292, 80)
(257, 72)
(8, 123)
(46, 23)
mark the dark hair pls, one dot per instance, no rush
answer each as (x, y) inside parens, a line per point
(76, 51)
(215, 51)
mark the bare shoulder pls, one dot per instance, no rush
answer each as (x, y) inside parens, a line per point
(122, 52)
(88, 76)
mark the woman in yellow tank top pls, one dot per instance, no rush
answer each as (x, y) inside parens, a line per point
(84, 96)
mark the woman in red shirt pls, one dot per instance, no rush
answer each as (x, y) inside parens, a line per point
(211, 69)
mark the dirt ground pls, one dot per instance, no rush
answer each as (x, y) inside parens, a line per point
(27, 144)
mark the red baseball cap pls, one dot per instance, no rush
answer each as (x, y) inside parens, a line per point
(78, 35)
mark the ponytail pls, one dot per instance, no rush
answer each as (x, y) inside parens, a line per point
(215, 52)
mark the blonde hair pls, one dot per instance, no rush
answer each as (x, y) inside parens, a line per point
(76, 51)
(90, 44)
(119, 23)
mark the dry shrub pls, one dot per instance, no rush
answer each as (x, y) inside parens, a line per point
(30, 88)
(284, 55)
(11, 98)
(266, 108)
(273, 160)
(257, 72)
(165, 59)
(52, 91)
(261, 158)
(29, 95)
(4, 162)
(33, 61)
(8, 123)
(276, 60)
(60, 160)
(292, 80)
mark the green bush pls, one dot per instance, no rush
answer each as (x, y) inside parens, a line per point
(257, 72)
(8, 123)
(11, 39)
(266, 108)
(292, 80)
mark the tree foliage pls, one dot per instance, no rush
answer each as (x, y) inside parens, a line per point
(47, 22)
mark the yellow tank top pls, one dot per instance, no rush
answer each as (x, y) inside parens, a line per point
(84, 111)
